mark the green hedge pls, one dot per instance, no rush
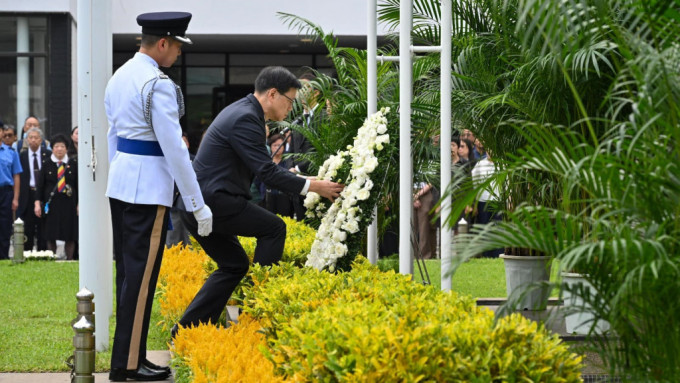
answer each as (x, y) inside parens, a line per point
(367, 325)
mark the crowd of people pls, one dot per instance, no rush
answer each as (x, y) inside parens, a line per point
(470, 160)
(39, 185)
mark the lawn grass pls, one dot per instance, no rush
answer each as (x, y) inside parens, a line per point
(37, 305)
(478, 277)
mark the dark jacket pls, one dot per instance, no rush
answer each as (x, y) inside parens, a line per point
(25, 179)
(232, 153)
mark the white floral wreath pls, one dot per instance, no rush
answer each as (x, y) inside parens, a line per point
(343, 216)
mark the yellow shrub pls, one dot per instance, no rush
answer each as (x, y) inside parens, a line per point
(182, 274)
(215, 354)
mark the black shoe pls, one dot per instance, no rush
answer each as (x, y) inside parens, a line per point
(174, 331)
(153, 366)
(142, 374)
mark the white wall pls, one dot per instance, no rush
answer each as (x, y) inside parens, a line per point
(48, 6)
(343, 17)
(249, 17)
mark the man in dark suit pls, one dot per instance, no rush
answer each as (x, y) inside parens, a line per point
(30, 123)
(32, 160)
(231, 154)
(296, 143)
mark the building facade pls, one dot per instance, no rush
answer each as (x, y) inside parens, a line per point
(233, 41)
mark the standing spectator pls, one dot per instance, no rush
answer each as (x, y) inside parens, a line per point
(468, 135)
(479, 148)
(465, 151)
(177, 232)
(57, 191)
(484, 211)
(33, 159)
(9, 137)
(30, 123)
(231, 154)
(296, 143)
(147, 157)
(73, 148)
(423, 202)
(10, 168)
(276, 201)
(73, 154)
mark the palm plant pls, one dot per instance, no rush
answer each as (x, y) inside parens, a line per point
(614, 171)
(579, 101)
(346, 96)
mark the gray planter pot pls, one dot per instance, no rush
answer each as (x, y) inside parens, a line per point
(521, 272)
(579, 321)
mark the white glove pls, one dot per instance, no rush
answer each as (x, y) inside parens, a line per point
(204, 218)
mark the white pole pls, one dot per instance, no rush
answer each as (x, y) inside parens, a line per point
(405, 160)
(94, 70)
(23, 83)
(372, 107)
(445, 141)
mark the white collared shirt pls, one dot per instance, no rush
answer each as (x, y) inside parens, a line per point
(30, 163)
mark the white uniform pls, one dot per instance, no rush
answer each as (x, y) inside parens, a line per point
(143, 104)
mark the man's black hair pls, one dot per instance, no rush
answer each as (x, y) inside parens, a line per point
(149, 41)
(276, 77)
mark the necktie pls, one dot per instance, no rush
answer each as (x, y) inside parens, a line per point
(306, 115)
(36, 169)
(61, 180)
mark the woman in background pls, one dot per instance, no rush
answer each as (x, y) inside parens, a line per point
(57, 197)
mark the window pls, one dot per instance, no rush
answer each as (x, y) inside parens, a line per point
(23, 69)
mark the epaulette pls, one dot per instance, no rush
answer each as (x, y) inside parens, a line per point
(148, 88)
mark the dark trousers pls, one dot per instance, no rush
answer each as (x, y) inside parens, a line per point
(244, 219)
(178, 233)
(33, 225)
(486, 216)
(6, 196)
(280, 203)
(138, 244)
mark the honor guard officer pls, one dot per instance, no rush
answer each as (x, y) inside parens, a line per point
(147, 157)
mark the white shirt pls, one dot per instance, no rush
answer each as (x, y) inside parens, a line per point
(482, 170)
(142, 179)
(30, 163)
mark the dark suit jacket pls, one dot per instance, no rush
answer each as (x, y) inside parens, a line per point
(232, 153)
(299, 144)
(43, 145)
(25, 179)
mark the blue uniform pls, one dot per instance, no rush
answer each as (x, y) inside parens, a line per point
(9, 166)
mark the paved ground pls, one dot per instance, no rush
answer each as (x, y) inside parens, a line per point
(158, 357)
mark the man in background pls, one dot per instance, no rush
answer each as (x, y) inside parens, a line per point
(30, 123)
(33, 158)
(10, 168)
(9, 137)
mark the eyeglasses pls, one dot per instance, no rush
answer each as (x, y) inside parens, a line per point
(288, 98)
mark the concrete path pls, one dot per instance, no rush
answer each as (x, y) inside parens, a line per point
(159, 357)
